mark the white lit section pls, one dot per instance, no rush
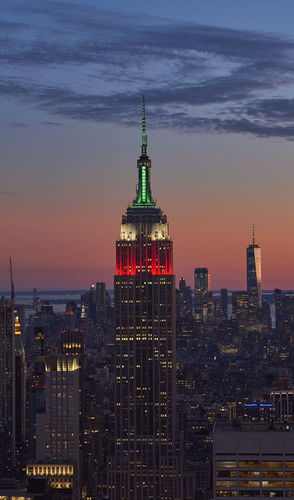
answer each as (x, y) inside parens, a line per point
(128, 232)
(159, 231)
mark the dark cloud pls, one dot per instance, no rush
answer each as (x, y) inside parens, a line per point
(88, 64)
(15, 124)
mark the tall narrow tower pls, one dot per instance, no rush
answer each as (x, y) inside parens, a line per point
(144, 462)
(254, 275)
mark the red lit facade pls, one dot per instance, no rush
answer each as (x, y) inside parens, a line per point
(154, 257)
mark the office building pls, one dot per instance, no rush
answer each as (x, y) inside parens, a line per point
(240, 309)
(37, 396)
(253, 460)
(283, 401)
(20, 396)
(62, 408)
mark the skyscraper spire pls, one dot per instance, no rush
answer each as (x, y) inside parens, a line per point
(144, 135)
(144, 196)
(253, 234)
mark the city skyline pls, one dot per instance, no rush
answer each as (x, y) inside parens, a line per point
(219, 115)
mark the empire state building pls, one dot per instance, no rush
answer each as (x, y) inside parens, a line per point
(145, 385)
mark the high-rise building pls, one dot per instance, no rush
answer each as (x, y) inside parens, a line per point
(253, 461)
(20, 396)
(284, 306)
(283, 401)
(72, 345)
(240, 309)
(201, 286)
(62, 408)
(37, 395)
(145, 377)
(184, 299)
(224, 303)
(96, 302)
(253, 253)
(7, 387)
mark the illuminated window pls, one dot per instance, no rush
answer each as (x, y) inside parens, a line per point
(249, 464)
(249, 473)
(226, 493)
(226, 483)
(272, 465)
(273, 474)
(273, 484)
(249, 484)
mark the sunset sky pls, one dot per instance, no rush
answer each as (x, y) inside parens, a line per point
(218, 79)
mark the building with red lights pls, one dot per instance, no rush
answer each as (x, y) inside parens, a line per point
(144, 462)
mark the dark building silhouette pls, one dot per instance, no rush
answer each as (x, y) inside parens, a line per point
(201, 287)
(7, 388)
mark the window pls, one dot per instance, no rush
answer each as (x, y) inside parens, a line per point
(249, 473)
(225, 464)
(249, 493)
(272, 474)
(249, 464)
(225, 473)
(273, 484)
(228, 493)
(228, 484)
(272, 465)
(249, 484)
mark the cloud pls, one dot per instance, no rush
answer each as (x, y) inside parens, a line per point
(90, 64)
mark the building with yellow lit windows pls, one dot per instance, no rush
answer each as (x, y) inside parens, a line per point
(57, 455)
(253, 461)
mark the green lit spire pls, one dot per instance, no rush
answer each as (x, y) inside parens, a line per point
(144, 196)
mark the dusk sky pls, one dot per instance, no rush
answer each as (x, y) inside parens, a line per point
(218, 79)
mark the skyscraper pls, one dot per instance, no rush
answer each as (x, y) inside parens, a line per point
(37, 396)
(62, 408)
(7, 387)
(201, 286)
(254, 276)
(145, 385)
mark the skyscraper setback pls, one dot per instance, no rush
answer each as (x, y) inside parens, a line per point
(145, 385)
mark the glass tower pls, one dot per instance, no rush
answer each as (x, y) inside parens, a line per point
(145, 384)
(254, 275)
